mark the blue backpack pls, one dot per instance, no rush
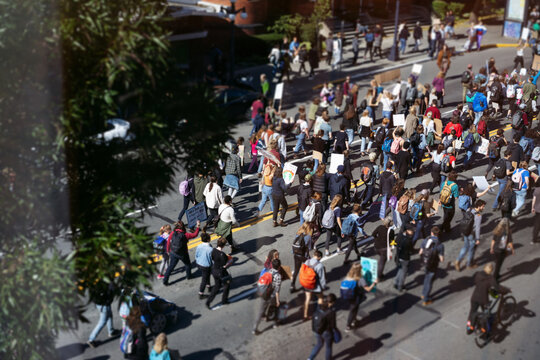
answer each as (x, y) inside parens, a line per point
(464, 202)
(370, 37)
(469, 141)
(347, 289)
(348, 226)
(416, 211)
(387, 145)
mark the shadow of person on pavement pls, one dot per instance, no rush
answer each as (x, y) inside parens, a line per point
(398, 305)
(524, 268)
(362, 347)
(254, 245)
(454, 286)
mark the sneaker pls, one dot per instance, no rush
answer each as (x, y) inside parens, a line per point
(114, 333)
(275, 326)
(326, 253)
(160, 276)
(340, 251)
(426, 303)
(348, 328)
(456, 265)
(202, 296)
(92, 344)
(275, 224)
(255, 332)
(473, 266)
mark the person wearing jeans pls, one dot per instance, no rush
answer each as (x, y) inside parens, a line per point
(327, 335)
(521, 192)
(404, 250)
(203, 259)
(431, 244)
(103, 304)
(470, 240)
(266, 195)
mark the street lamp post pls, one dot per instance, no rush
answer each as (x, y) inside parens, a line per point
(231, 13)
(394, 51)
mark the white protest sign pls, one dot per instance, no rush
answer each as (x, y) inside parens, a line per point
(523, 72)
(481, 182)
(289, 171)
(416, 69)
(399, 120)
(458, 144)
(483, 147)
(278, 93)
(525, 34)
(335, 161)
(396, 90)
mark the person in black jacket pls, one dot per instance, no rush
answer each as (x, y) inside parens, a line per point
(337, 184)
(319, 183)
(279, 190)
(104, 296)
(324, 334)
(220, 263)
(405, 248)
(140, 345)
(380, 242)
(483, 281)
(303, 194)
(347, 173)
(403, 161)
(387, 182)
(177, 246)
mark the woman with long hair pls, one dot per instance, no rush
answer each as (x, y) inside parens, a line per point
(501, 244)
(213, 198)
(366, 127)
(138, 329)
(160, 351)
(319, 183)
(359, 286)
(436, 157)
(300, 248)
(335, 207)
(438, 87)
(164, 235)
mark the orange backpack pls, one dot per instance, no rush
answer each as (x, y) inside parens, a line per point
(307, 277)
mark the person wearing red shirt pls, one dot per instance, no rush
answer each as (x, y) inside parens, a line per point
(433, 108)
(454, 125)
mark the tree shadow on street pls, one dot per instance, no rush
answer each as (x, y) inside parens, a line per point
(362, 347)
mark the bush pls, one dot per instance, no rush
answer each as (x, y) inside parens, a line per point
(439, 7)
(308, 32)
(457, 8)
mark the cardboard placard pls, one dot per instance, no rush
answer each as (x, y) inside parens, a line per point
(416, 69)
(388, 76)
(278, 93)
(335, 161)
(481, 182)
(197, 212)
(289, 171)
(399, 120)
(458, 144)
(369, 270)
(536, 63)
(317, 155)
(483, 147)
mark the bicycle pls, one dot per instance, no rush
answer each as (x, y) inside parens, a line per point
(488, 319)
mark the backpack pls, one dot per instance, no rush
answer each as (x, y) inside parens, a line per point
(379, 135)
(159, 244)
(403, 205)
(446, 193)
(517, 119)
(445, 164)
(447, 142)
(517, 178)
(369, 37)
(349, 224)
(264, 285)
(506, 202)
(536, 154)
(482, 127)
(430, 256)
(411, 94)
(177, 240)
(328, 219)
(307, 277)
(319, 323)
(416, 210)
(467, 223)
(184, 188)
(466, 77)
(127, 341)
(493, 148)
(299, 246)
(387, 145)
(525, 144)
(309, 213)
(499, 169)
(510, 91)
(495, 92)
(464, 202)
(396, 146)
(347, 289)
(367, 173)
(415, 139)
(468, 143)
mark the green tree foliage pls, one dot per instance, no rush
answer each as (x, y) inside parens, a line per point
(289, 25)
(69, 65)
(457, 8)
(439, 7)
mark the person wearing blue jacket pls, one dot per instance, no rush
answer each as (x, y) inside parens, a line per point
(203, 259)
(479, 105)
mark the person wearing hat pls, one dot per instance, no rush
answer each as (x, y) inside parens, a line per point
(466, 82)
(337, 184)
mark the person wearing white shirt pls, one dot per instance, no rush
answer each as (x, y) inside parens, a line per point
(213, 197)
(302, 125)
(226, 221)
(366, 125)
(388, 102)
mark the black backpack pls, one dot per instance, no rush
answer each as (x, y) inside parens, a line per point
(415, 139)
(495, 93)
(299, 246)
(499, 169)
(517, 120)
(380, 135)
(466, 77)
(319, 323)
(430, 256)
(467, 223)
(178, 242)
(506, 202)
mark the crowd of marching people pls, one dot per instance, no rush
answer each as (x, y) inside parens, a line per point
(377, 188)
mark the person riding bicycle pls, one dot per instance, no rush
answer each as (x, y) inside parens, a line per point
(484, 282)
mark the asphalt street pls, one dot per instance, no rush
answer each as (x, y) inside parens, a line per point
(393, 325)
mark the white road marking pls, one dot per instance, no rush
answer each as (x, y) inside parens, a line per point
(141, 210)
(409, 355)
